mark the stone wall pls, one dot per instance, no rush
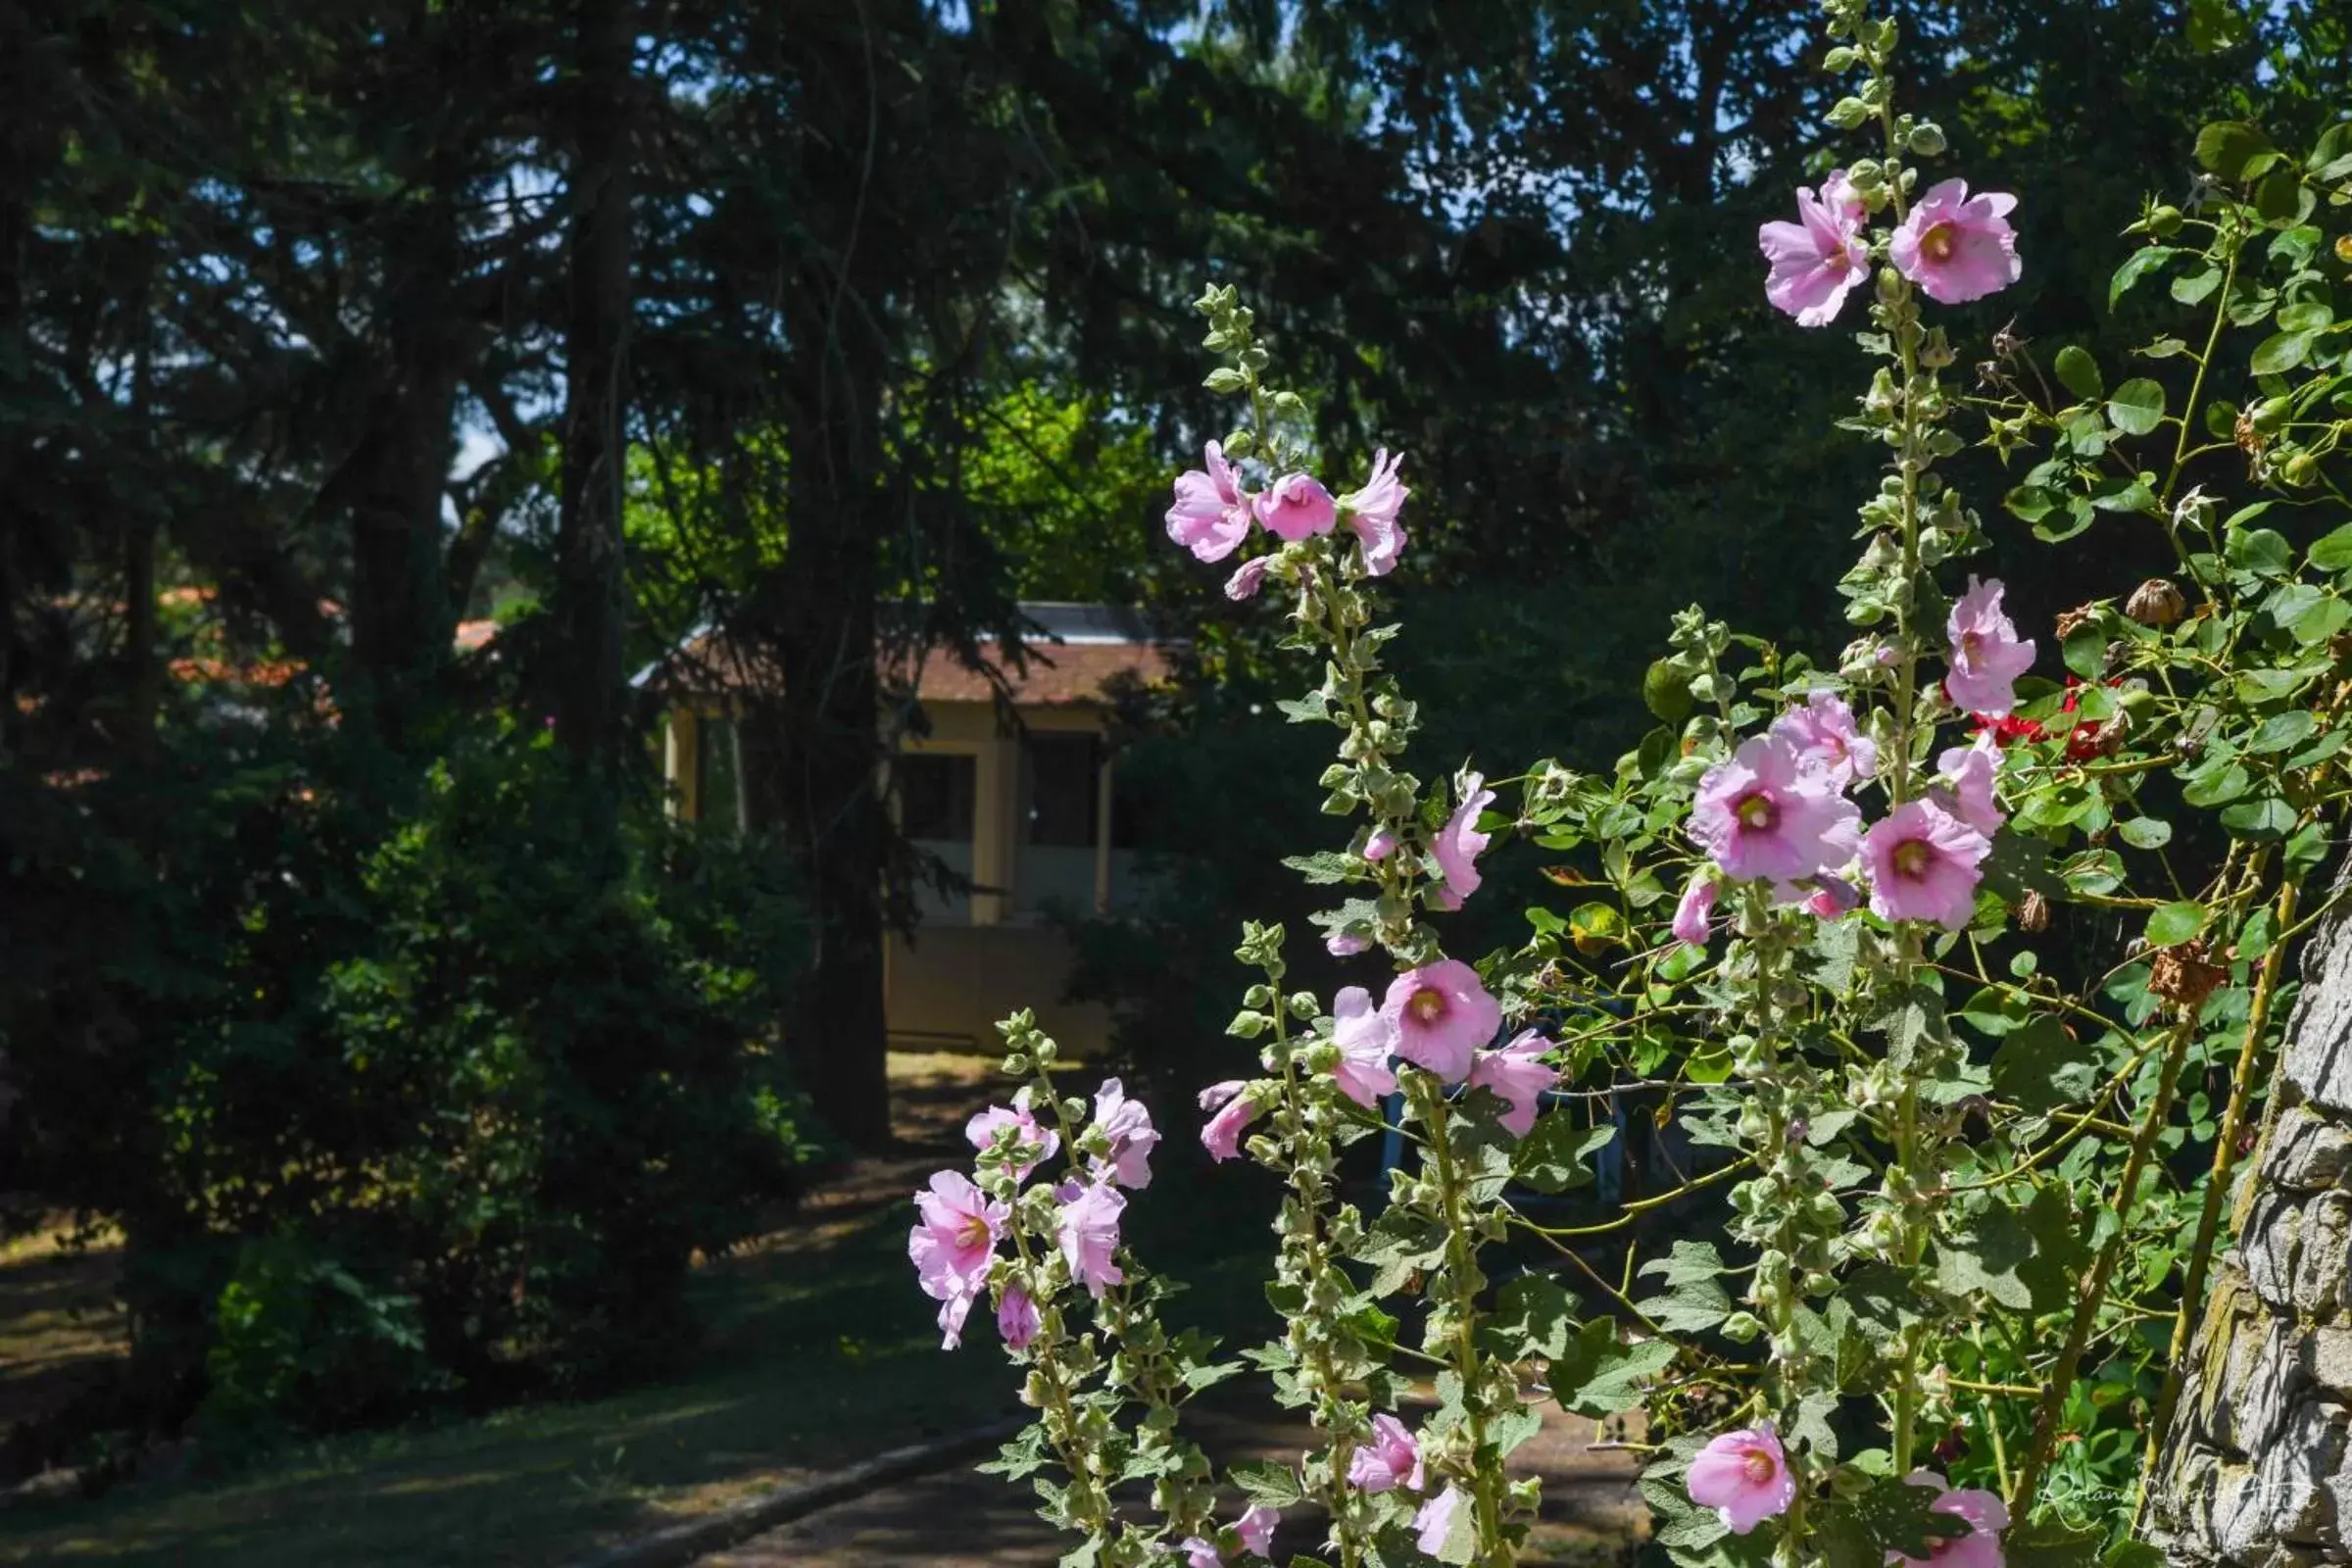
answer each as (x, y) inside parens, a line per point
(2257, 1469)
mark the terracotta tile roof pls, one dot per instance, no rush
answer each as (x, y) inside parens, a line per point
(1102, 648)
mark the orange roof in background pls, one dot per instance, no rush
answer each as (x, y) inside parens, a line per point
(1058, 675)
(474, 634)
(1086, 650)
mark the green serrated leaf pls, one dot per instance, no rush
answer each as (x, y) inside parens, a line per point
(2137, 406)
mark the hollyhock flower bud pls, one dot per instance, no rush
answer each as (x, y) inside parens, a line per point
(1126, 1124)
(1825, 738)
(1957, 247)
(1016, 1318)
(1390, 1460)
(2155, 603)
(1251, 576)
(1380, 846)
(1967, 789)
(1744, 1477)
(1366, 1040)
(1435, 1522)
(1764, 814)
(1691, 910)
(1517, 1076)
(953, 1247)
(1256, 1527)
(1441, 1015)
(1458, 844)
(1235, 1111)
(1295, 506)
(1986, 654)
(1211, 514)
(1985, 1514)
(1373, 510)
(1922, 863)
(1038, 1143)
(1088, 1229)
(1341, 944)
(1199, 1554)
(1816, 260)
(1833, 897)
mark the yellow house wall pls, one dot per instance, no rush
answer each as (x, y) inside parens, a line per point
(950, 984)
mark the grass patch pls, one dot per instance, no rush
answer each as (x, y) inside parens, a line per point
(819, 1351)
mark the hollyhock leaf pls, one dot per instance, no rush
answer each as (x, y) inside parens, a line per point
(2145, 832)
(2138, 265)
(1689, 1262)
(1691, 1309)
(1533, 1315)
(2137, 406)
(1275, 1485)
(1666, 692)
(2041, 1066)
(2079, 372)
(1857, 1529)
(1554, 1157)
(2283, 352)
(1600, 1377)
(1907, 1018)
(2022, 1258)
(2175, 923)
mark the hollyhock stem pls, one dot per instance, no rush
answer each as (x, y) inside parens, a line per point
(1463, 1280)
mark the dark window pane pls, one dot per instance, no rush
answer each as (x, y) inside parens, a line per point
(1057, 788)
(936, 790)
(719, 788)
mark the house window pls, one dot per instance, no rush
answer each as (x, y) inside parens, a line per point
(938, 792)
(718, 775)
(1060, 818)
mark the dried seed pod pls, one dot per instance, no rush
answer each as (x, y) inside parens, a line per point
(2180, 975)
(2070, 621)
(2033, 914)
(2156, 603)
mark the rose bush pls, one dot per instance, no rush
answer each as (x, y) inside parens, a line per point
(1957, 957)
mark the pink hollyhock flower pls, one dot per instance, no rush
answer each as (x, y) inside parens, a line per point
(1435, 1522)
(1441, 1015)
(1246, 581)
(1211, 514)
(1967, 788)
(1016, 1318)
(1199, 1554)
(1766, 814)
(1366, 1038)
(1986, 1515)
(1833, 897)
(1957, 247)
(1518, 1077)
(1818, 258)
(1340, 945)
(1390, 1460)
(1692, 910)
(1256, 1527)
(1295, 505)
(1040, 1142)
(1827, 738)
(1235, 1111)
(1372, 513)
(1127, 1124)
(1380, 846)
(1986, 654)
(1744, 1477)
(954, 1245)
(1923, 864)
(1459, 844)
(1088, 1228)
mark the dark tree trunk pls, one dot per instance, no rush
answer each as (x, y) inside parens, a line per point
(588, 682)
(2257, 1465)
(822, 789)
